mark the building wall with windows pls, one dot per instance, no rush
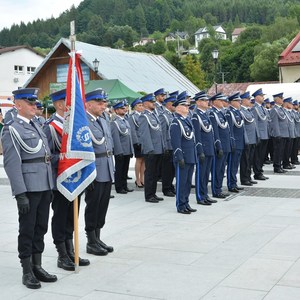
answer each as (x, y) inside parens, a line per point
(17, 64)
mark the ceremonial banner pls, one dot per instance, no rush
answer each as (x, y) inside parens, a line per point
(76, 168)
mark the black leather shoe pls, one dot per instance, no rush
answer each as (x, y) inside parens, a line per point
(203, 202)
(193, 186)
(129, 177)
(225, 194)
(296, 163)
(82, 261)
(209, 200)
(248, 183)
(169, 194)
(43, 275)
(158, 198)
(233, 190)
(288, 167)
(65, 263)
(104, 246)
(253, 181)
(128, 190)
(240, 188)
(122, 192)
(95, 249)
(30, 281)
(220, 196)
(111, 196)
(260, 177)
(190, 209)
(152, 200)
(280, 171)
(184, 211)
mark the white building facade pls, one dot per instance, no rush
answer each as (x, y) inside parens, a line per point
(17, 64)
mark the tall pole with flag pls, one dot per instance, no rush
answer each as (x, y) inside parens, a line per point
(76, 168)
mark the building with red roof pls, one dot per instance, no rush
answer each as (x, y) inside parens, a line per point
(289, 62)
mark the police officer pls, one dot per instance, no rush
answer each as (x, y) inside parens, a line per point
(236, 125)
(223, 144)
(204, 146)
(10, 114)
(287, 106)
(295, 147)
(63, 215)
(152, 147)
(39, 119)
(160, 96)
(279, 132)
(261, 120)
(137, 106)
(251, 138)
(269, 152)
(167, 168)
(123, 147)
(98, 193)
(27, 164)
(184, 154)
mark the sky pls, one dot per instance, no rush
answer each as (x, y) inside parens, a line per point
(15, 11)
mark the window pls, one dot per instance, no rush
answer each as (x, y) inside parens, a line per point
(19, 70)
(62, 72)
(30, 70)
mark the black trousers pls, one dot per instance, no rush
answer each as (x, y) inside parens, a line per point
(34, 225)
(287, 152)
(279, 146)
(295, 149)
(269, 151)
(246, 162)
(167, 172)
(152, 165)
(63, 218)
(121, 171)
(259, 157)
(97, 200)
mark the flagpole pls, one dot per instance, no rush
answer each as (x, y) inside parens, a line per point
(75, 203)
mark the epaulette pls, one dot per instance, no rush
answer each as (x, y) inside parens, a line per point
(9, 122)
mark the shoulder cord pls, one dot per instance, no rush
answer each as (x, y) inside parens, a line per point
(219, 123)
(126, 132)
(16, 137)
(235, 122)
(282, 118)
(183, 131)
(296, 117)
(245, 118)
(153, 127)
(205, 129)
(263, 118)
(55, 138)
(135, 121)
(94, 140)
(287, 115)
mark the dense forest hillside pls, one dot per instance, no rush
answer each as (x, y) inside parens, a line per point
(270, 24)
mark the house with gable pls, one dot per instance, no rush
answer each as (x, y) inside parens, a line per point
(289, 62)
(203, 33)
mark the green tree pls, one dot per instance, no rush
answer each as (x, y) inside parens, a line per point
(159, 47)
(192, 70)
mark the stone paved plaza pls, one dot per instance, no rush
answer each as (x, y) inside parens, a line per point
(246, 247)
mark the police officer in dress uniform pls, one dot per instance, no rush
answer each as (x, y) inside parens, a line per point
(39, 119)
(123, 147)
(184, 154)
(137, 106)
(269, 152)
(97, 195)
(251, 138)
(223, 144)
(279, 132)
(287, 107)
(10, 115)
(204, 146)
(27, 164)
(295, 147)
(160, 96)
(236, 125)
(63, 210)
(168, 171)
(261, 120)
(152, 147)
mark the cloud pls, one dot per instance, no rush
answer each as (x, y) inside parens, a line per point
(13, 12)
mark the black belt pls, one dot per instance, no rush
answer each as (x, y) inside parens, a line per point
(104, 154)
(44, 159)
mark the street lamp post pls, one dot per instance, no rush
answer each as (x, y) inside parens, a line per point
(96, 65)
(215, 55)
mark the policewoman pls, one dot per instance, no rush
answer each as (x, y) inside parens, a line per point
(184, 154)
(27, 164)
